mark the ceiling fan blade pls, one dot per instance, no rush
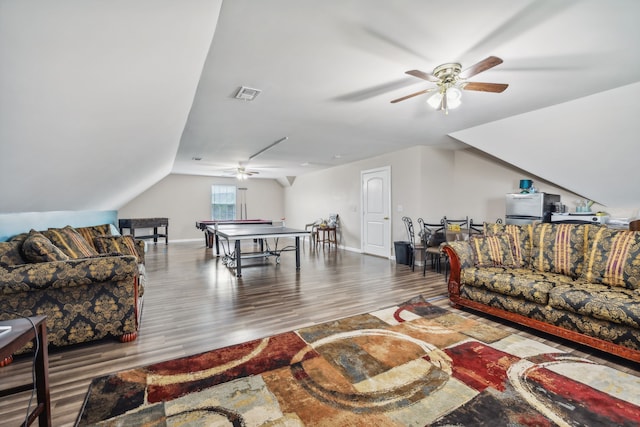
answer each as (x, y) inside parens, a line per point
(411, 96)
(485, 87)
(481, 66)
(422, 75)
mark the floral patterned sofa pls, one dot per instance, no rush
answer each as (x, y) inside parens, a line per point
(577, 281)
(88, 282)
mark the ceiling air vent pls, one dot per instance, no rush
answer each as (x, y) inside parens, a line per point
(247, 93)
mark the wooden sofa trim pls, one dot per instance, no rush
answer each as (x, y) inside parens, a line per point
(457, 301)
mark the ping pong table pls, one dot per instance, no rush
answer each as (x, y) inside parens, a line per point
(210, 235)
(233, 258)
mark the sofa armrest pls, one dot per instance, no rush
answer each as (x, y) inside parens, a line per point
(141, 246)
(460, 256)
(463, 252)
(60, 274)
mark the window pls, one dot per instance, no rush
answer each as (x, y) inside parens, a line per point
(223, 202)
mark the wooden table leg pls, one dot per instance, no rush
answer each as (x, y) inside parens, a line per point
(42, 376)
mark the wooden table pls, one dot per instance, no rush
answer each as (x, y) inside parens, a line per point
(133, 223)
(23, 331)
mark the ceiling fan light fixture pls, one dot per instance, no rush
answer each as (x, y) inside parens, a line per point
(435, 100)
(446, 99)
(454, 97)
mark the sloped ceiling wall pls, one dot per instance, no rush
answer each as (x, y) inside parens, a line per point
(94, 97)
(588, 146)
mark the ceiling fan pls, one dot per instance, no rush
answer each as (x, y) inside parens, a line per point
(450, 80)
(241, 172)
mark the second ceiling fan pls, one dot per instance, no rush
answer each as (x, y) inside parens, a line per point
(450, 79)
(242, 172)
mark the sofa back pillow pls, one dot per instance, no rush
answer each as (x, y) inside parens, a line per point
(37, 248)
(10, 253)
(91, 232)
(521, 235)
(124, 245)
(560, 248)
(613, 258)
(493, 251)
(70, 242)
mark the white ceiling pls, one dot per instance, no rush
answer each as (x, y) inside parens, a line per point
(329, 69)
(129, 91)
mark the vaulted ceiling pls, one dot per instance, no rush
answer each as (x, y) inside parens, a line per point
(100, 100)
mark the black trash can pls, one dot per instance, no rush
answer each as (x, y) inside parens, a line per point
(404, 254)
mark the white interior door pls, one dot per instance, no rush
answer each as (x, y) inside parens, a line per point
(376, 202)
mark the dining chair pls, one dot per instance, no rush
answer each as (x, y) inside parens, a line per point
(334, 221)
(475, 228)
(455, 229)
(411, 237)
(432, 236)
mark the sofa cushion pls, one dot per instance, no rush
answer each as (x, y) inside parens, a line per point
(37, 248)
(521, 236)
(70, 242)
(613, 304)
(559, 248)
(10, 254)
(90, 233)
(614, 258)
(124, 245)
(516, 282)
(493, 251)
(19, 237)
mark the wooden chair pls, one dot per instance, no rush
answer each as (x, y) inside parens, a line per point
(634, 225)
(313, 229)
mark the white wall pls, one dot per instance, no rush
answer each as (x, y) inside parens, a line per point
(421, 180)
(185, 199)
(426, 182)
(94, 97)
(591, 145)
(481, 182)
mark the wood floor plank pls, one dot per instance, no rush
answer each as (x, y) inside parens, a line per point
(193, 303)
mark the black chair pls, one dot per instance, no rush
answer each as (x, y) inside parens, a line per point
(432, 236)
(415, 248)
(456, 228)
(475, 228)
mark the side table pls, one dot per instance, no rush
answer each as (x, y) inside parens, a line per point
(327, 235)
(21, 333)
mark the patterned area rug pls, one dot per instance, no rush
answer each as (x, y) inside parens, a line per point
(409, 365)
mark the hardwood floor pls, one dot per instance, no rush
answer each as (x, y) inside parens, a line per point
(193, 303)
